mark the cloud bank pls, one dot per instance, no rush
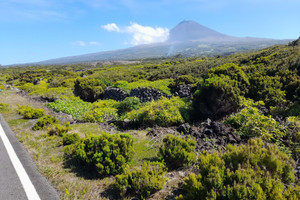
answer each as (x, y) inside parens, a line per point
(140, 34)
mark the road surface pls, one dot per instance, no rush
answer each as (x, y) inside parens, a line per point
(19, 177)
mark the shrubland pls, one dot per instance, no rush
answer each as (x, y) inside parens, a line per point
(256, 94)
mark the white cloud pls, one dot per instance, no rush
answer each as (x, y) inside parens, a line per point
(111, 27)
(94, 43)
(79, 43)
(83, 44)
(141, 34)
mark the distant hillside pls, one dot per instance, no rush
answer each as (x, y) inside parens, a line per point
(188, 38)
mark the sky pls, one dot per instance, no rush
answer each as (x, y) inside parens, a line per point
(36, 30)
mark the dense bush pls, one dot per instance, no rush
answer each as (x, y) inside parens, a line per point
(128, 104)
(252, 171)
(60, 130)
(181, 80)
(30, 113)
(108, 154)
(142, 182)
(164, 112)
(103, 110)
(234, 72)
(292, 138)
(69, 139)
(44, 122)
(89, 89)
(250, 122)
(266, 88)
(101, 115)
(161, 85)
(76, 108)
(216, 97)
(177, 152)
(31, 88)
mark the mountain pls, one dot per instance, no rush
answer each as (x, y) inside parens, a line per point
(191, 30)
(188, 38)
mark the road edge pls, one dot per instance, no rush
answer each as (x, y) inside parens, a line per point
(41, 184)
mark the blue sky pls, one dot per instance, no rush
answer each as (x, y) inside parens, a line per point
(36, 30)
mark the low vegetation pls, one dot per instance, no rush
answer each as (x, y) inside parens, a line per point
(142, 182)
(177, 152)
(223, 127)
(107, 154)
(30, 113)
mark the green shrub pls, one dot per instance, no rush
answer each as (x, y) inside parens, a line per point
(55, 93)
(161, 85)
(267, 89)
(292, 193)
(60, 130)
(128, 104)
(69, 139)
(76, 108)
(89, 89)
(250, 122)
(142, 182)
(2, 87)
(3, 107)
(106, 103)
(44, 122)
(252, 171)
(216, 97)
(31, 88)
(103, 110)
(164, 112)
(100, 115)
(30, 113)
(234, 72)
(292, 138)
(106, 153)
(177, 152)
(181, 80)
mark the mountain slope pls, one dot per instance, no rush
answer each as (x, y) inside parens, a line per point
(191, 30)
(188, 38)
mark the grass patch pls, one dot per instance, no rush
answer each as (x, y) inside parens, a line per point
(144, 149)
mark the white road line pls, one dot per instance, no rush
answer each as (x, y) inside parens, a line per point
(23, 176)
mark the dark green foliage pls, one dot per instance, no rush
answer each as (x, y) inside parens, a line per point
(128, 104)
(252, 171)
(142, 182)
(107, 154)
(44, 122)
(216, 97)
(290, 84)
(60, 130)
(69, 139)
(177, 152)
(30, 75)
(182, 80)
(266, 88)
(89, 89)
(30, 113)
(234, 72)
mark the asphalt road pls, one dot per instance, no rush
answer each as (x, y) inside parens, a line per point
(13, 185)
